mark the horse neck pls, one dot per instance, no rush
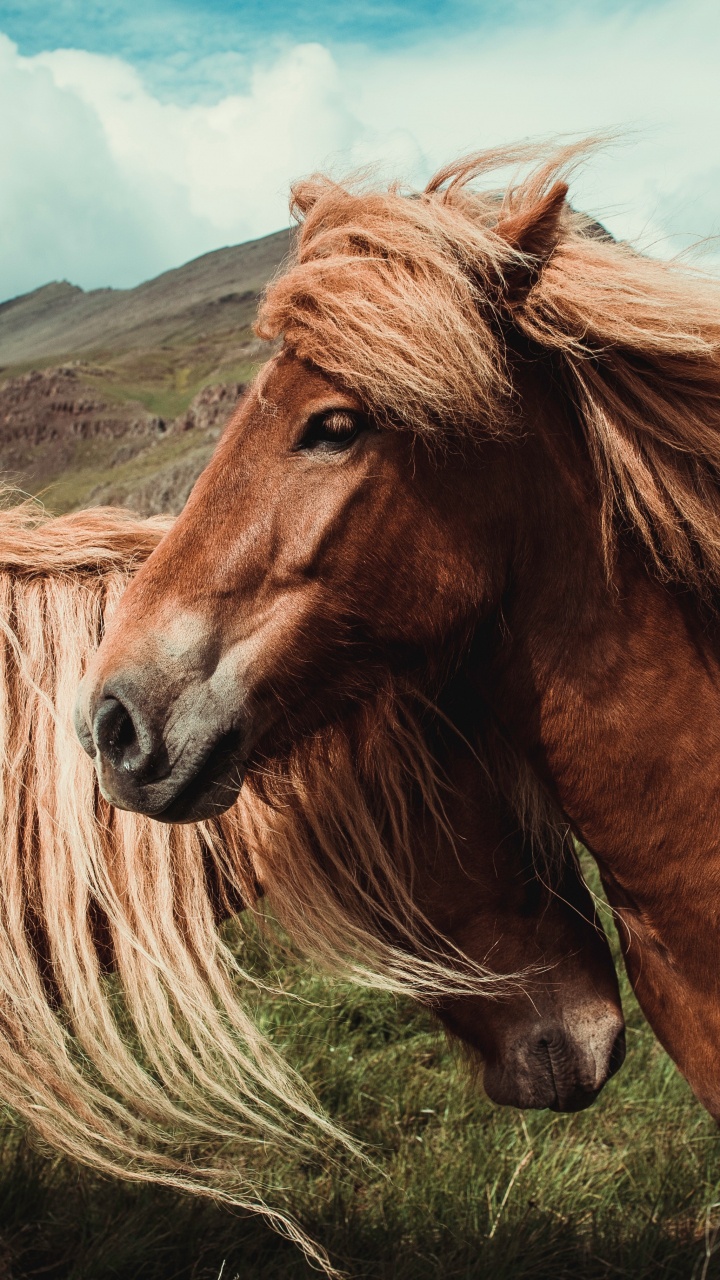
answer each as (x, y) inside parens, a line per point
(619, 714)
(612, 691)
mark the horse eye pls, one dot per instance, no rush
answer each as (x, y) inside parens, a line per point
(332, 431)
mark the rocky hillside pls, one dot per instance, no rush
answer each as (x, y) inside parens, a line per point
(182, 452)
(118, 396)
(60, 439)
(212, 295)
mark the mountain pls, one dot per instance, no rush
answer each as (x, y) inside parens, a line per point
(118, 395)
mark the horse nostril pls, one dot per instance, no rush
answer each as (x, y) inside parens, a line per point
(116, 737)
(617, 1055)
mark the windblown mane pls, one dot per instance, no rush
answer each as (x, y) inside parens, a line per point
(407, 302)
(123, 1036)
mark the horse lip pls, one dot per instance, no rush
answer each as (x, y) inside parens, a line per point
(198, 804)
(576, 1100)
(207, 793)
(213, 789)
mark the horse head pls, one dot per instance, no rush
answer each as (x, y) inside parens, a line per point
(321, 558)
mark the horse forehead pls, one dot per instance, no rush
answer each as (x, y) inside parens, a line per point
(286, 382)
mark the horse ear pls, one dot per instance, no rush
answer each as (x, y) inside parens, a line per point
(304, 194)
(534, 232)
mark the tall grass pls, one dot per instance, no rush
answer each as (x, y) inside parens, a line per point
(458, 1188)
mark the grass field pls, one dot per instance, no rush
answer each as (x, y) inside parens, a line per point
(459, 1189)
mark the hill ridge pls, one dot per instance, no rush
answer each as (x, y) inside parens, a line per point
(118, 395)
(60, 321)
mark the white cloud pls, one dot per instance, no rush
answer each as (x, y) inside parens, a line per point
(653, 74)
(104, 183)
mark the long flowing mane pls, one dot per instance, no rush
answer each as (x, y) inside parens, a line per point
(407, 302)
(123, 1040)
(124, 1035)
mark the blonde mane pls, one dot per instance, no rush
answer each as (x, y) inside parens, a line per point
(407, 302)
(124, 1039)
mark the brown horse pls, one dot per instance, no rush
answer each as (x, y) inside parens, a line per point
(96, 905)
(488, 451)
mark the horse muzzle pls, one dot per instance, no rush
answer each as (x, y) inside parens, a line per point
(182, 767)
(554, 1070)
(560, 1060)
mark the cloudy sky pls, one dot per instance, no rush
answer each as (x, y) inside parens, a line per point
(136, 134)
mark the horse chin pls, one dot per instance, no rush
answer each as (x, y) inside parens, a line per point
(200, 800)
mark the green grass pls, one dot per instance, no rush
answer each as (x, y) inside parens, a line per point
(460, 1190)
(165, 379)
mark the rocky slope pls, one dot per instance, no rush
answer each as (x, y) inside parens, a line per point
(192, 437)
(61, 439)
(118, 395)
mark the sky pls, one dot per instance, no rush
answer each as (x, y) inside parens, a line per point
(136, 135)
